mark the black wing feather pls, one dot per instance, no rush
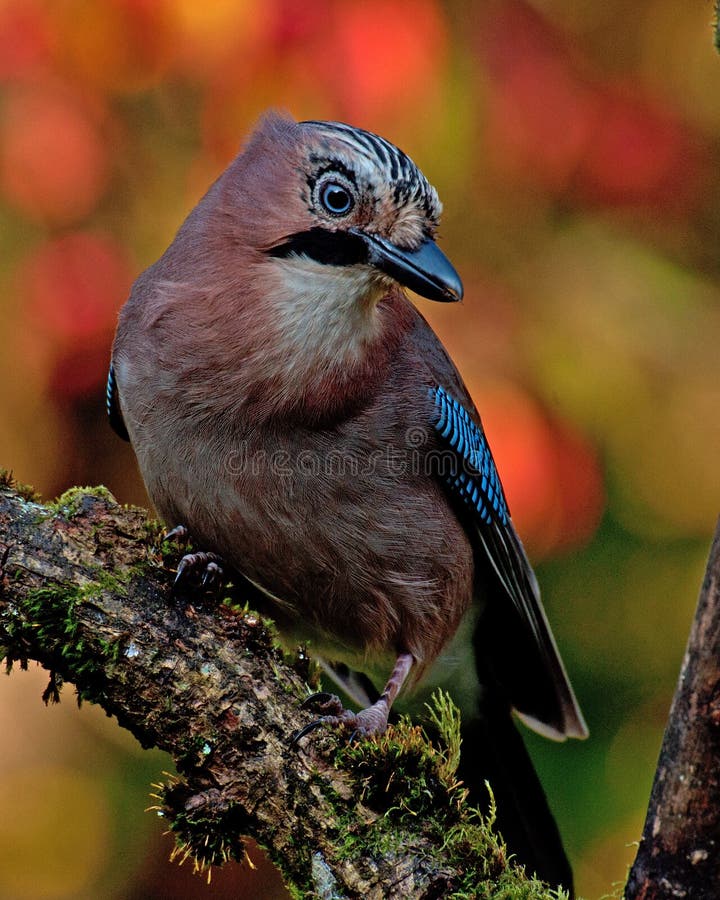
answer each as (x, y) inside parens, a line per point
(518, 639)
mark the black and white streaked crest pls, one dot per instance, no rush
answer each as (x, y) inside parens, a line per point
(409, 183)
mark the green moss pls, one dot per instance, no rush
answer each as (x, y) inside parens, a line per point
(206, 828)
(104, 581)
(72, 502)
(154, 531)
(402, 770)
(411, 782)
(27, 492)
(260, 634)
(444, 717)
(110, 649)
(48, 621)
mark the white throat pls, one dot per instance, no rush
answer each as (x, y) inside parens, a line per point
(324, 315)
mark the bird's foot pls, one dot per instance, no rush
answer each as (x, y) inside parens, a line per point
(179, 534)
(369, 721)
(324, 702)
(207, 568)
(203, 568)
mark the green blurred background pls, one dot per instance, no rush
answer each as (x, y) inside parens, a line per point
(576, 145)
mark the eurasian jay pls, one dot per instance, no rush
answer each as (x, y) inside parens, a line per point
(291, 407)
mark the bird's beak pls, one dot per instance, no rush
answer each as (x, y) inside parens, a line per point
(426, 270)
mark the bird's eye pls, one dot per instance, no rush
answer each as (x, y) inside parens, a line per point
(336, 198)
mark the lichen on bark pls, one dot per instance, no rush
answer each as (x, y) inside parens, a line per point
(86, 591)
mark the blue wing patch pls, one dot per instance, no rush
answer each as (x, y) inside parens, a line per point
(476, 480)
(546, 701)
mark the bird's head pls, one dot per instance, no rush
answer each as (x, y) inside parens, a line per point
(287, 276)
(347, 205)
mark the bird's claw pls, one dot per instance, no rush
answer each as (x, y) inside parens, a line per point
(205, 566)
(302, 732)
(363, 724)
(324, 702)
(179, 534)
(212, 575)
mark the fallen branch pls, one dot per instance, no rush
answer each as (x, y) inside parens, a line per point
(85, 591)
(679, 854)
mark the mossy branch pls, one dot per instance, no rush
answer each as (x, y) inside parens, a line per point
(85, 590)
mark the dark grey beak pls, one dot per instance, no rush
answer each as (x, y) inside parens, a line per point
(427, 270)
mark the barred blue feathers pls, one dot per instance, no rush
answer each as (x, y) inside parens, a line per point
(476, 481)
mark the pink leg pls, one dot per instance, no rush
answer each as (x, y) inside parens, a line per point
(403, 664)
(372, 720)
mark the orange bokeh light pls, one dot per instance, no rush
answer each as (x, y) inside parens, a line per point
(391, 56)
(24, 38)
(74, 286)
(115, 45)
(555, 124)
(371, 64)
(53, 162)
(550, 473)
(212, 38)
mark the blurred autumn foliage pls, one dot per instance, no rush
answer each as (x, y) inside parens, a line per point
(576, 146)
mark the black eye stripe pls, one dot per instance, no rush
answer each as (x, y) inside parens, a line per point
(333, 248)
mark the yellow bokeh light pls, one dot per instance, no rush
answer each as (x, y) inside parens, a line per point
(54, 834)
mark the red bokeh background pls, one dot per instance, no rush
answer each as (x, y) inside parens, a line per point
(576, 148)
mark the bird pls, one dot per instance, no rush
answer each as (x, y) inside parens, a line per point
(291, 409)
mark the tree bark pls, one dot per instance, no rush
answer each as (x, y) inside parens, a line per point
(679, 854)
(85, 590)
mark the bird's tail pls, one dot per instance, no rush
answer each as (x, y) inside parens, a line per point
(493, 751)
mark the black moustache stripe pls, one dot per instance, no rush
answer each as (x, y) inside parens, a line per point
(331, 248)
